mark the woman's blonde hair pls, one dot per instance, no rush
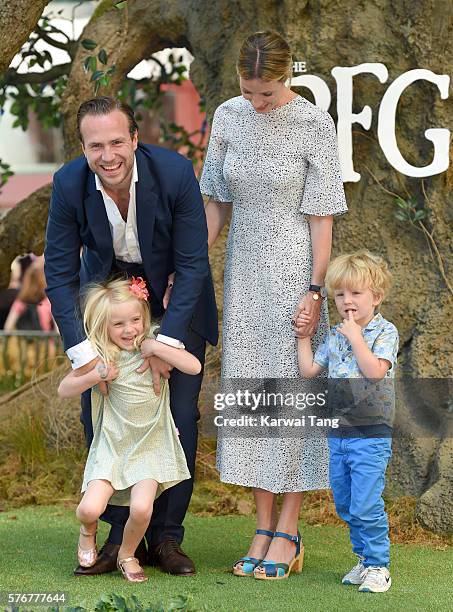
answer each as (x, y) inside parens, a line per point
(265, 56)
(99, 299)
(359, 270)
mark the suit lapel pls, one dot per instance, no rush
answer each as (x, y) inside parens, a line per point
(146, 198)
(97, 220)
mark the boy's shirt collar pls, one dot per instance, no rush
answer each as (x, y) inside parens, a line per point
(375, 321)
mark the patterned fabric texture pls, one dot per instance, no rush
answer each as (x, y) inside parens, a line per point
(360, 402)
(134, 434)
(335, 352)
(274, 168)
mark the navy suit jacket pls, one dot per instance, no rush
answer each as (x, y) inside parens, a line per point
(172, 234)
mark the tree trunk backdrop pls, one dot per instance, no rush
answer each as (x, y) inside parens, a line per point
(402, 35)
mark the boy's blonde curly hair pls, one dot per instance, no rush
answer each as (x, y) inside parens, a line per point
(361, 269)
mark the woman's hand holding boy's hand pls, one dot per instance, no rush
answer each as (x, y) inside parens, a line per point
(306, 317)
(350, 329)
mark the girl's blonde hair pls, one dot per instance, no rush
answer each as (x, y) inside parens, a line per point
(359, 270)
(265, 56)
(99, 299)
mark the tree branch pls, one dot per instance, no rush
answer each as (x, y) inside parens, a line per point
(36, 78)
(70, 46)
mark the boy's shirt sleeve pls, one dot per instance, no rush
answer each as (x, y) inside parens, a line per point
(386, 345)
(322, 352)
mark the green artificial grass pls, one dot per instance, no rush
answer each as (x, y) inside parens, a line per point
(38, 547)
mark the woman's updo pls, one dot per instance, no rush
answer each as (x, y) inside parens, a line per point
(265, 56)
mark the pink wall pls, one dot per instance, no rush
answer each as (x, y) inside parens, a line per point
(20, 186)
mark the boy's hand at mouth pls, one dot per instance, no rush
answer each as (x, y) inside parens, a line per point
(349, 328)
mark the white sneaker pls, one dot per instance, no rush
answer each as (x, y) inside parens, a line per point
(375, 580)
(354, 576)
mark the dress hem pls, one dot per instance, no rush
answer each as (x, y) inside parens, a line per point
(279, 491)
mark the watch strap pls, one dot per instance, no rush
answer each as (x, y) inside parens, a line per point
(318, 289)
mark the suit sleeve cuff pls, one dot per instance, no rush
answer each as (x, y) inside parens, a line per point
(170, 341)
(81, 353)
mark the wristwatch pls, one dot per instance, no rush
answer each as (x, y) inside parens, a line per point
(318, 292)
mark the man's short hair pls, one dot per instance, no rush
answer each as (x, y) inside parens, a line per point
(103, 106)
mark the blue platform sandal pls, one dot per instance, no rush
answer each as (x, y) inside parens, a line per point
(249, 563)
(279, 571)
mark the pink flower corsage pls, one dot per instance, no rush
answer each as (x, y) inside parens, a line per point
(138, 288)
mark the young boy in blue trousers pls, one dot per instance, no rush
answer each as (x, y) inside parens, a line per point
(360, 355)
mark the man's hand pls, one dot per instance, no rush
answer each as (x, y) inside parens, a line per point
(158, 368)
(350, 329)
(107, 372)
(147, 347)
(167, 296)
(87, 368)
(306, 316)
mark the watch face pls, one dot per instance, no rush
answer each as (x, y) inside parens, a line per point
(315, 297)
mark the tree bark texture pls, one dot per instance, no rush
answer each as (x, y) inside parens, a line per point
(17, 20)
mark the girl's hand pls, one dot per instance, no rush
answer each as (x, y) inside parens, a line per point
(349, 328)
(107, 372)
(167, 296)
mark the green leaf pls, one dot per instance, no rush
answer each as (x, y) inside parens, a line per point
(102, 55)
(420, 214)
(401, 215)
(97, 74)
(121, 5)
(87, 63)
(88, 44)
(402, 203)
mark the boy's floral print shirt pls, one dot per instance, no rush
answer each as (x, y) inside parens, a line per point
(335, 353)
(360, 401)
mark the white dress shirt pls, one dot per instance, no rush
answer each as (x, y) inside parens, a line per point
(126, 248)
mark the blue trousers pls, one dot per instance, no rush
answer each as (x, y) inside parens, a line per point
(357, 477)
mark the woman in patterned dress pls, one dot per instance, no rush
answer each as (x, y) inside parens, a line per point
(273, 163)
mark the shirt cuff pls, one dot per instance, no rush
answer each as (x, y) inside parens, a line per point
(170, 341)
(81, 353)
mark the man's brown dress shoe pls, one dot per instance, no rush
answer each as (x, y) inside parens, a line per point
(106, 561)
(171, 559)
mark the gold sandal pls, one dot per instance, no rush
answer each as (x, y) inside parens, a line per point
(131, 576)
(87, 558)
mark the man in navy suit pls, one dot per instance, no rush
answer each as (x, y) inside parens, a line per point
(137, 210)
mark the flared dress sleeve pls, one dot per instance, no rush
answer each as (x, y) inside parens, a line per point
(323, 192)
(212, 181)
